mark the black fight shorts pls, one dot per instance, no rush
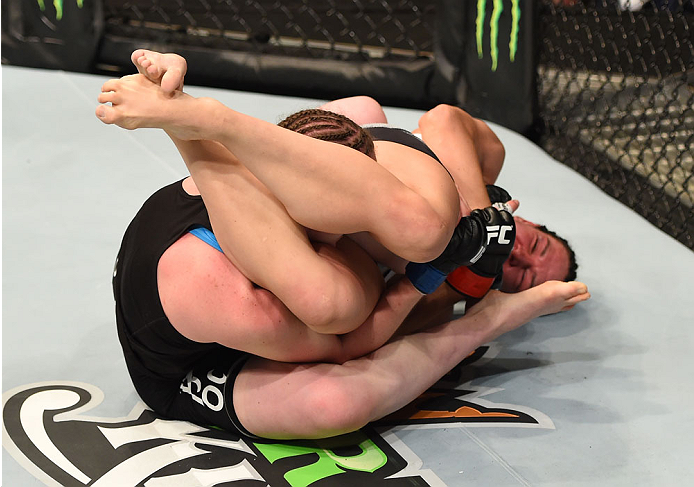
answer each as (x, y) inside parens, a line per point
(204, 396)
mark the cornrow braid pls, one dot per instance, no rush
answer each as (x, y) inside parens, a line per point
(331, 127)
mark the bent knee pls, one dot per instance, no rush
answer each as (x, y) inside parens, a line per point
(336, 408)
(330, 309)
(339, 297)
(431, 241)
(422, 231)
(316, 306)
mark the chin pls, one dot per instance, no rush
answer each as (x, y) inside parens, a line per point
(505, 283)
(507, 288)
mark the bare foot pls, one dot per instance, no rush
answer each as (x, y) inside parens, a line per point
(167, 70)
(136, 102)
(509, 311)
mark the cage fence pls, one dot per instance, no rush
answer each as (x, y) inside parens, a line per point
(341, 29)
(616, 98)
(610, 90)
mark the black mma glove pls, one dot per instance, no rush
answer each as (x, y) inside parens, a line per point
(498, 194)
(466, 246)
(476, 279)
(499, 198)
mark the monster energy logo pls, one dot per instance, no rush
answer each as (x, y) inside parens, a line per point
(369, 459)
(494, 29)
(58, 4)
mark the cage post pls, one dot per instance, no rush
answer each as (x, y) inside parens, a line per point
(63, 34)
(487, 50)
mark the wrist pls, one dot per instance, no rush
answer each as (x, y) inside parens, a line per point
(469, 283)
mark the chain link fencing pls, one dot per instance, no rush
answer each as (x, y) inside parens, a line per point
(616, 97)
(338, 29)
(607, 85)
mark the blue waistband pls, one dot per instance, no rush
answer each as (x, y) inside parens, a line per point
(206, 236)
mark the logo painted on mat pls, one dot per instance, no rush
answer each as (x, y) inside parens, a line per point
(46, 429)
(449, 405)
(498, 8)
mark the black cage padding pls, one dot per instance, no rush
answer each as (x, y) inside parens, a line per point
(605, 87)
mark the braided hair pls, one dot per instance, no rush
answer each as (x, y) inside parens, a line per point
(331, 127)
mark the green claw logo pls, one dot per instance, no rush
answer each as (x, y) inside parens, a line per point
(58, 4)
(494, 29)
(329, 464)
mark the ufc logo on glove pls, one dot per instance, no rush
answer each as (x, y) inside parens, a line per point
(498, 231)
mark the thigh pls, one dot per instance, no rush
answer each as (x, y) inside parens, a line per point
(293, 401)
(422, 174)
(207, 299)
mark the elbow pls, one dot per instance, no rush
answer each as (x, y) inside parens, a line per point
(422, 232)
(440, 116)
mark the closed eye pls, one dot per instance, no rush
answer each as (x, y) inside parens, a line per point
(532, 250)
(546, 247)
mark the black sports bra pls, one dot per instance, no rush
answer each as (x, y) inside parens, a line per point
(399, 136)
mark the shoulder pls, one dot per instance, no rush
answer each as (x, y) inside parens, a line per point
(201, 291)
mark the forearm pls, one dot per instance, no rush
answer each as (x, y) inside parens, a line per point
(406, 366)
(401, 311)
(467, 148)
(388, 315)
(432, 310)
(491, 153)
